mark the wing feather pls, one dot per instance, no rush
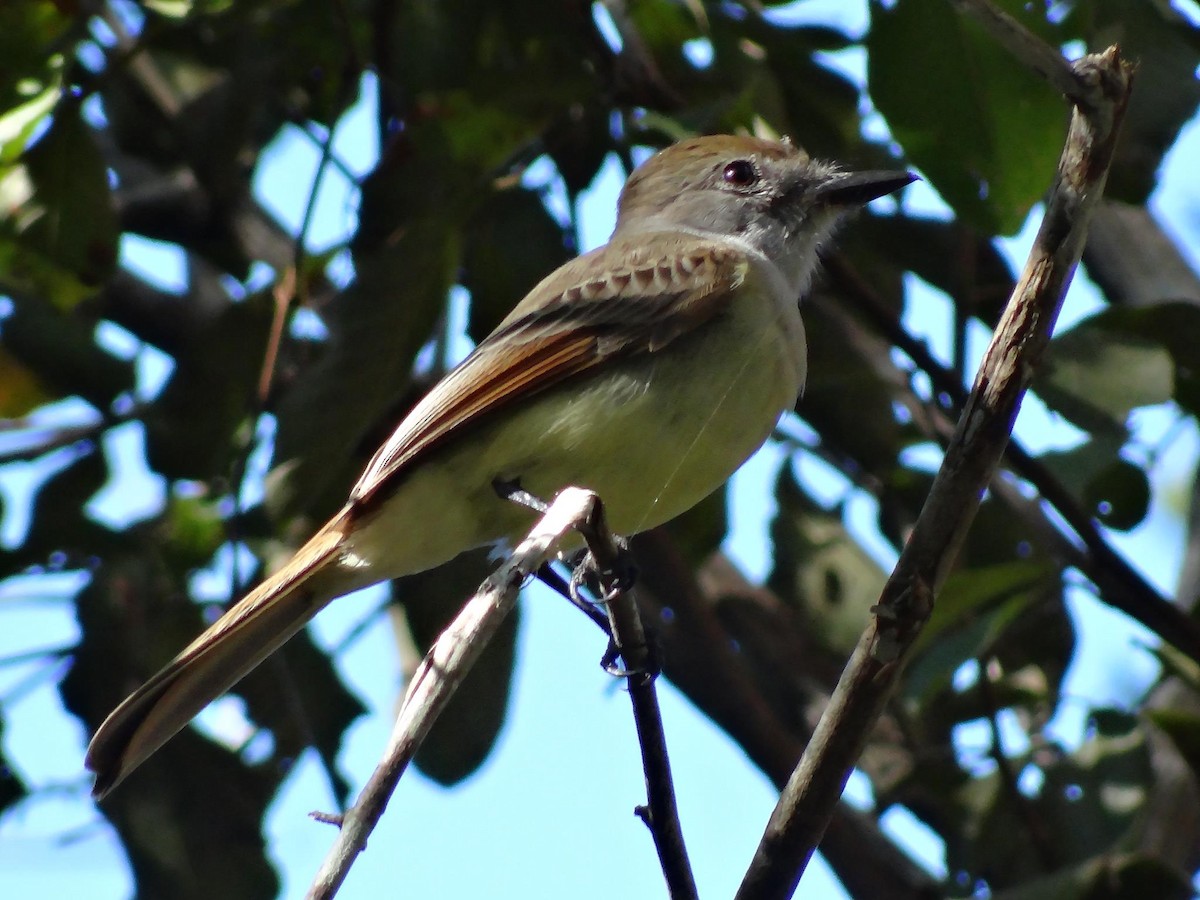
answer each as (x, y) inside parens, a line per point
(587, 312)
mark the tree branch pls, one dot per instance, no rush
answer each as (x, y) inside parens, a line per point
(439, 675)
(796, 825)
(1030, 50)
(660, 814)
(459, 646)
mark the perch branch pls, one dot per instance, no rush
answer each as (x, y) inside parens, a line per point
(971, 460)
(439, 675)
(1031, 50)
(660, 814)
(459, 646)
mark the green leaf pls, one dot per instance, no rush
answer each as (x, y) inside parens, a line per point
(820, 569)
(21, 391)
(60, 349)
(69, 218)
(1095, 375)
(1091, 803)
(968, 593)
(578, 143)
(59, 522)
(1094, 797)
(1005, 124)
(1111, 489)
(1166, 92)
(17, 125)
(31, 49)
(973, 609)
(191, 428)
(171, 9)
(1172, 325)
(511, 245)
(1125, 877)
(191, 530)
(1120, 495)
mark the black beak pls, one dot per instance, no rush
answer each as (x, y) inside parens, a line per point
(858, 188)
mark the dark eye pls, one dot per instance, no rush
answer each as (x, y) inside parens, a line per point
(740, 173)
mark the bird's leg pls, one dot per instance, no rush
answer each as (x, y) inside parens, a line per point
(607, 582)
(511, 490)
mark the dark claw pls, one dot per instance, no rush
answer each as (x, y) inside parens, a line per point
(624, 572)
(612, 653)
(608, 662)
(568, 589)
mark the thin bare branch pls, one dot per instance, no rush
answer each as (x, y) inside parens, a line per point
(1030, 50)
(459, 646)
(439, 675)
(661, 813)
(971, 460)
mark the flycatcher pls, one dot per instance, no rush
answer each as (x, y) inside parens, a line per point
(647, 370)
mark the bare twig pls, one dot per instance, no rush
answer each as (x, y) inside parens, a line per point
(661, 814)
(796, 825)
(1030, 50)
(440, 674)
(459, 646)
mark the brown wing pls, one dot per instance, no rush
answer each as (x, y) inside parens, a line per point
(623, 298)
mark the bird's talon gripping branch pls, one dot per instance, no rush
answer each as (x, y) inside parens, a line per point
(605, 582)
(649, 670)
(608, 584)
(608, 662)
(622, 574)
(582, 575)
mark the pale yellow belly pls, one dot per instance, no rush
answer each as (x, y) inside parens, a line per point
(652, 438)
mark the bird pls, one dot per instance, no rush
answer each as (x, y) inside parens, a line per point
(646, 370)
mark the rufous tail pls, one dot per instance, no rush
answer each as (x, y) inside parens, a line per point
(248, 633)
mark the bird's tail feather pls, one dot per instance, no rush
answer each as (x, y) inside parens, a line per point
(226, 652)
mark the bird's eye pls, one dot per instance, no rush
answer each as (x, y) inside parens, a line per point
(740, 173)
